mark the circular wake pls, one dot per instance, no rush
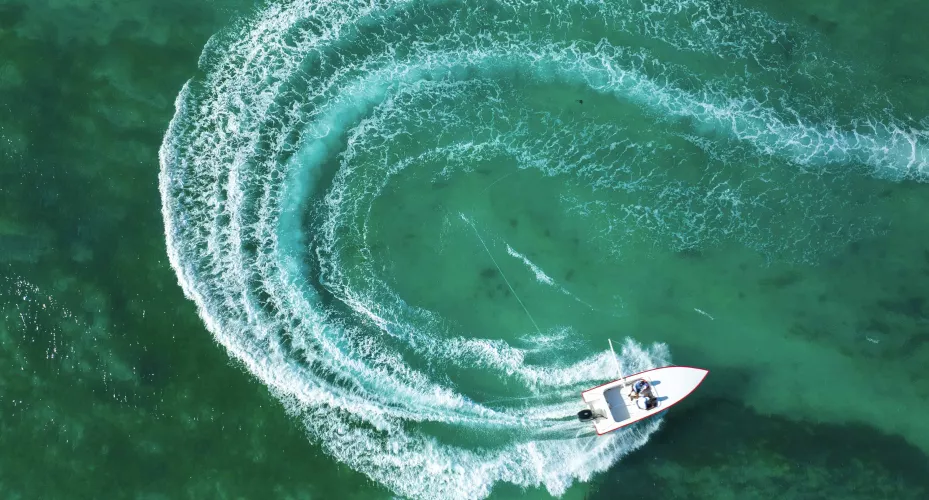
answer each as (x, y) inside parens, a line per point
(666, 123)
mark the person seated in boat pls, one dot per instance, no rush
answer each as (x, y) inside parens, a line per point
(651, 403)
(640, 388)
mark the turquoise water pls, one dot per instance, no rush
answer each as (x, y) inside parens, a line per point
(403, 233)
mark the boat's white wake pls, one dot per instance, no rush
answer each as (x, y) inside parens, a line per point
(274, 159)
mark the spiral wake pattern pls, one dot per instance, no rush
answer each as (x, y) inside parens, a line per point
(699, 122)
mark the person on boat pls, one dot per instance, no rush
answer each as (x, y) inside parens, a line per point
(640, 388)
(651, 403)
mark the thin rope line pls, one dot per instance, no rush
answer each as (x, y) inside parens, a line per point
(501, 272)
(496, 181)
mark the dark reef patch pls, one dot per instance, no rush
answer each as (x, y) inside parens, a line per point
(690, 253)
(781, 280)
(765, 457)
(910, 306)
(489, 273)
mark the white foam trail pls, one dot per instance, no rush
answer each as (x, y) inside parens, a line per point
(703, 313)
(543, 278)
(540, 275)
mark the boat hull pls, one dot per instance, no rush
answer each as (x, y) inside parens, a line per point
(613, 408)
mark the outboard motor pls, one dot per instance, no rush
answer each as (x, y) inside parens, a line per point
(585, 415)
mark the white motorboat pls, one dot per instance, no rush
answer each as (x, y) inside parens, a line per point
(622, 402)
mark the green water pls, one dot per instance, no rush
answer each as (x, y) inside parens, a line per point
(806, 299)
